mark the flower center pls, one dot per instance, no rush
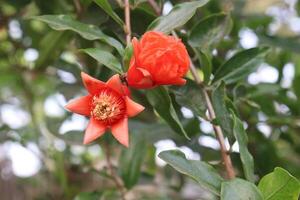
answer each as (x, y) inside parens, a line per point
(108, 106)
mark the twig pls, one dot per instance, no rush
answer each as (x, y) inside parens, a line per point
(78, 8)
(212, 115)
(220, 138)
(218, 131)
(127, 28)
(155, 6)
(113, 174)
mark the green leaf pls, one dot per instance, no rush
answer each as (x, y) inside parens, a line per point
(88, 196)
(131, 160)
(127, 56)
(89, 32)
(204, 174)
(178, 16)
(210, 31)
(279, 185)
(50, 47)
(290, 44)
(246, 157)
(159, 98)
(239, 189)
(105, 57)
(223, 115)
(205, 64)
(104, 4)
(191, 96)
(240, 65)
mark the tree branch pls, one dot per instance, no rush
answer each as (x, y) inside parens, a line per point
(212, 115)
(113, 174)
(155, 6)
(127, 28)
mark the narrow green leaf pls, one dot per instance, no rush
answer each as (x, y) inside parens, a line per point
(131, 160)
(178, 16)
(240, 65)
(205, 64)
(204, 174)
(223, 115)
(191, 96)
(89, 32)
(127, 56)
(239, 189)
(290, 44)
(52, 44)
(106, 58)
(104, 4)
(210, 31)
(279, 185)
(88, 196)
(161, 101)
(246, 157)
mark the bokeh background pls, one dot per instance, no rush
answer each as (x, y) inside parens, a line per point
(41, 155)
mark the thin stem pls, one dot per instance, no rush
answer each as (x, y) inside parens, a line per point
(212, 115)
(113, 174)
(127, 27)
(220, 138)
(155, 6)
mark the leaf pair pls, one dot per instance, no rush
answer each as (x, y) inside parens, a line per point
(277, 185)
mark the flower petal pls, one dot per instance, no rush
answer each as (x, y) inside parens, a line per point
(91, 84)
(94, 130)
(136, 49)
(80, 106)
(120, 131)
(139, 78)
(115, 83)
(133, 108)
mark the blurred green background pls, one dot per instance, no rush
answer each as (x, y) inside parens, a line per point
(41, 151)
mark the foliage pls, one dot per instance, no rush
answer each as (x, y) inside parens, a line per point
(45, 45)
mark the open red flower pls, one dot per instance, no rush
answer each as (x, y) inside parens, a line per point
(158, 60)
(108, 106)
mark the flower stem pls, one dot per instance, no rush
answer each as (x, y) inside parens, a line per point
(113, 174)
(127, 28)
(155, 6)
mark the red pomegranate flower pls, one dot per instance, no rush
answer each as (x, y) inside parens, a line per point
(108, 106)
(158, 60)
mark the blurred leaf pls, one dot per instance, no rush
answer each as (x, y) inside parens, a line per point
(89, 32)
(50, 47)
(279, 185)
(105, 58)
(210, 31)
(290, 44)
(178, 16)
(223, 115)
(204, 174)
(88, 196)
(72, 137)
(131, 160)
(104, 4)
(127, 56)
(205, 63)
(191, 96)
(246, 157)
(296, 86)
(240, 65)
(161, 101)
(239, 189)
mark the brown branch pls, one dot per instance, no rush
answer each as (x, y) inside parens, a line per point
(220, 137)
(113, 174)
(155, 6)
(212, 115)
(127, 28)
